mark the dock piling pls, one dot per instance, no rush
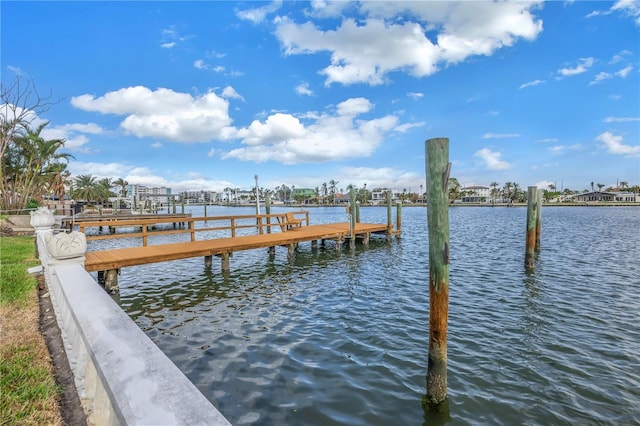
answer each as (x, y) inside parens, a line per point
(398, 218)
(389, 223)
(538, 222)
(530, 243)
(437, 167)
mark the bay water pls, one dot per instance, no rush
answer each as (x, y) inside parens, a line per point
(342, 337)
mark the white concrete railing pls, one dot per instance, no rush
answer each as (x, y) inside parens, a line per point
(121, 376)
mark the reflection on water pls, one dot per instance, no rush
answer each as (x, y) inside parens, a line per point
(341, 338)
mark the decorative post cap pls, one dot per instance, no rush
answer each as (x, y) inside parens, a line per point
(42, 219)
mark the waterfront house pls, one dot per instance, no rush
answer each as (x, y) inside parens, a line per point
(610, 197)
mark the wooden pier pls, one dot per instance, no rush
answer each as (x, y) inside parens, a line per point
(289, 232)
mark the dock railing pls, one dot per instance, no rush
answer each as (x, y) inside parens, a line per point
(187, 225)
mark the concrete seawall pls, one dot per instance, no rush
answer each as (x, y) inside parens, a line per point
(121, 376)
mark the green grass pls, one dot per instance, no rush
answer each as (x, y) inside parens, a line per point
(16, 255)
(26, 390)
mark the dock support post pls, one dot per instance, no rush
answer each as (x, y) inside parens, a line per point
(389, 223)
(339, 242)
(205, 208)
(398, 218)
(111, 281)
(352, 218)
(365, 239)
(224, 257)
(267, 210)
(438, 168)
(530, 244)
(291, 252)
(208, 261)
(357, 211)
(314, 245)
(538, 222)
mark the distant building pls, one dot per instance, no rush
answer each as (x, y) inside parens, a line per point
(475, 194)
(304, 194)
(610, 197)
(379, 195)
(156, 195)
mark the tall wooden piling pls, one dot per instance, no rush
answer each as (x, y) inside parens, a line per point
(538, 222)
(398, 218)
(389, 222)
(352, 218)
(532, 202)
(437, 171)
(267, 209)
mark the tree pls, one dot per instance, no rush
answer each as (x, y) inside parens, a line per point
(592, 187)
(85, 188)
(600, 186)
(494, 191)
(624, 185)
(454, 189)
(332, 189)
(30, 165)
(122, 184)
(20, 105)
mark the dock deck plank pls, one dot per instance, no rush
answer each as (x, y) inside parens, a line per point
(118, 258)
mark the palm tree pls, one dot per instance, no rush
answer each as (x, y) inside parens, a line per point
(600, 186)
(494, 191)
(592, 186)
(332, 189)
(325, 192)
(59, 180)
(624, 185)
(123, 186)
(454, 189)
(85, 188)
(29, 164)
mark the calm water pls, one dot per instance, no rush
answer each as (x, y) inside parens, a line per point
(342, 338)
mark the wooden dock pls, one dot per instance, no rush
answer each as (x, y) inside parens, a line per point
(109, 262)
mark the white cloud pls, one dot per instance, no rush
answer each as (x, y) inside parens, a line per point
(624, 71)
(619, 56)
(156, 145)
(199, 63)
(403, 128)
(615, 97)
(168, 45)
(322, 137)
(614, 145)
(382, 177)
(630, 7)
(163, 113)
(543, 184)
(463, 29)
(531, 83)
(74, 135)
(415, 95)
(500, 135)
(558, 149)
(583, 65)
(230, 93)
(211, 153)
(601, 76)
(492, 159)
(620, 119)
(547, 140)
(137, 175)
(259, 14)
(303, 89)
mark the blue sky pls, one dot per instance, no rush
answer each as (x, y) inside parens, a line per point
(204, 95)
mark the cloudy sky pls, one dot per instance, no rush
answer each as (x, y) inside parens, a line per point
(204, 95)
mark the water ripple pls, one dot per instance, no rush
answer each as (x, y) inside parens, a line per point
(342, 338)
